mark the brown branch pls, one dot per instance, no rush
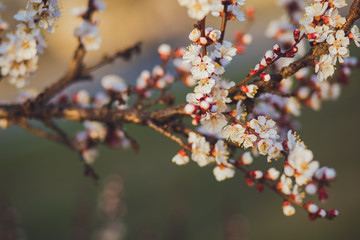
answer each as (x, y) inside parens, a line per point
(78, 114)
(62, 135)
(38, 132)
(354, 14)
(257, 73)
(124, 54)
(201, 25)
(168, 135)
(223, 22)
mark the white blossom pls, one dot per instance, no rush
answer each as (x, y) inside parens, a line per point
(264, 127)
(222, 172)
(181, 158)
(338, 46)
(225, 52)
(324, 68)
(95, 130)
(113, 83)
(356, 35)
(89, 36)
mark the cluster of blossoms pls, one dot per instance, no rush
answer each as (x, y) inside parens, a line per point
(115, 96)
(209, 104)
(322, 22)
(198, 9)
(256, 116)
(88, 32)
(19, 50)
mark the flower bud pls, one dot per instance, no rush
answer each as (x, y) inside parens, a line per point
(190, 108)
(330, 174)
(277, 49)
(204, 105)
(265, 77)
(272, 174)
(288, 209)
(246, 39)
(158, 71)
(195, 121)
(246, 159)
(303, 93)
(332, 213)
(321, 213)
(296, 34)
(269, 56)
(244, 88)
(311, 207)
(311, 188)
(263, 63)
(195, 35)
(256, 174)
(164, 51)
(202, 41)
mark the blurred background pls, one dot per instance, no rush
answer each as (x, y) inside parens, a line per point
(44, 195)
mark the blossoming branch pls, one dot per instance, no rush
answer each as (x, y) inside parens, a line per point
(232, 125)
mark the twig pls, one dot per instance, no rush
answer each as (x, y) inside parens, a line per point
(38, 132)
(168, 134)
(223, 22)
(125, 54)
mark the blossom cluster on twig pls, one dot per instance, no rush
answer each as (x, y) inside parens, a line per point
(232, 123)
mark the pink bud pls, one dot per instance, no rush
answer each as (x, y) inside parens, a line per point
(263, 63)
(296, 34)
(269, 56)
(265, 77)
(277, 49)
(321, 213)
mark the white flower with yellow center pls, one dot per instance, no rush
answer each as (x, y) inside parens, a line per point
(324, 68)
(251, 90)
(203, 67)
(205, 85)
(264, 145)
(322, 32)
(195, 35)
(200, 150)
(338, 46)
(335, 19)
(264, 127)
(316, 10)
(225, 52)
(230, 132)
(337, 3)
(213, 122)
(192, 52)
(246, 139)
(274, 152)
(301, 159)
